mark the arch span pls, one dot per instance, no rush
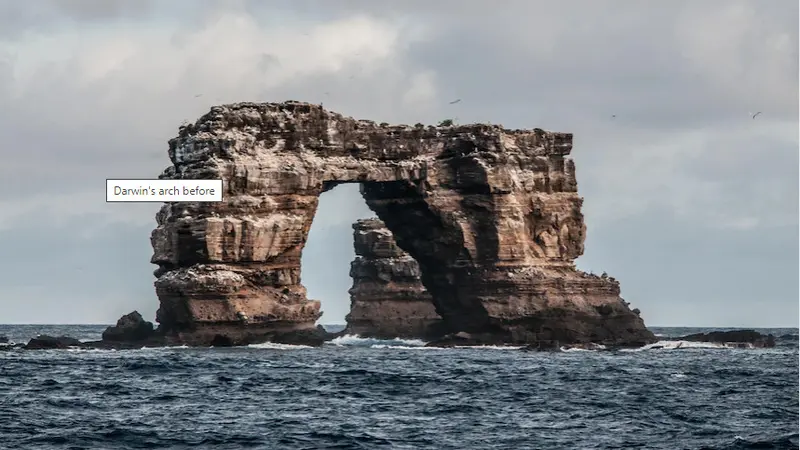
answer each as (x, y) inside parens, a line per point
(492, 216)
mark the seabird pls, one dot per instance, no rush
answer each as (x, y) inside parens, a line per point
(198, 95)
(754, 115)
(455, 101)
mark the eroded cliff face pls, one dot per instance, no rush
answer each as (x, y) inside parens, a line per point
(388, 299)
(491, 216)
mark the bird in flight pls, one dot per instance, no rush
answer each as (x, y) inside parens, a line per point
(455, 101)
(754, 115)
(613, 116)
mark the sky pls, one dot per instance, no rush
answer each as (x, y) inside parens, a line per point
(689, 202)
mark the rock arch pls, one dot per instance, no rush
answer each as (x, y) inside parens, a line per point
(492, 216)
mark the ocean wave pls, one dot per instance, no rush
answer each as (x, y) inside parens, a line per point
(354, 340)
(274, 346)
(675, 345)
(405, 347)
(491, 347)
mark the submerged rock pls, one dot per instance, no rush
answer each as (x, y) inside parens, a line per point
(491, 216)
(746, 337)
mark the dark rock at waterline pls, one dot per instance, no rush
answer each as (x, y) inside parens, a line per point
(227, 337)
(220, 340)
(313, 337)
(751, 337)
(51, 342)
(543, 346)
(130, 328)
(3, 339)
(455, 340)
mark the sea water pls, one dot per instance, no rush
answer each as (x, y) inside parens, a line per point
(356, 393)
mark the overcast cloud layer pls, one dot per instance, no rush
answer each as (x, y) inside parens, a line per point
(690, 203)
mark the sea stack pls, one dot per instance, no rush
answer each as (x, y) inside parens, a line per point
(388, 299)
(491, 216)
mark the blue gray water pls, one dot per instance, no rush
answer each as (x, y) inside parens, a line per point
(367, 394)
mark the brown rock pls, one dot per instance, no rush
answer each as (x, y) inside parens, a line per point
(491, 216)
(388, 299)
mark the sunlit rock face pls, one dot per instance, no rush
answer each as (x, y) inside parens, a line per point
(491, 216)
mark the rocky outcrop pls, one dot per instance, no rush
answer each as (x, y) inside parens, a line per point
(491, 216)
(388, 299)
(45, 342)
(130, 327)
(733, 338)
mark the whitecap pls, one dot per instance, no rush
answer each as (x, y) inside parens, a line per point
(675, 345)
(406, 347)
(354, 340)
(275, 346)
(491, 347)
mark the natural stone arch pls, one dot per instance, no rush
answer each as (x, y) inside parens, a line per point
(491, 215)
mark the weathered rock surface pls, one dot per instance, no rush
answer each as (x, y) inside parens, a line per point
(491, 216)
(388, 299)
(749, 338)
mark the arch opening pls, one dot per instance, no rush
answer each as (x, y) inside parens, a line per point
(328, 252)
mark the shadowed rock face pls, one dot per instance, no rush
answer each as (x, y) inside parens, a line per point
(388, 299)
(491, 216)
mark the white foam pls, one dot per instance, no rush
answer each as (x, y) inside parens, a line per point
(274, 346)
(354, 340)
(90, 350)
(491, 347)
(675, 345)
(405, 347)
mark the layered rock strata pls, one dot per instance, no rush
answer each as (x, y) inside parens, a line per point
(388, 299)
(492, 217)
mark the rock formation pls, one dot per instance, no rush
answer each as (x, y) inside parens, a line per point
(388, 299)
(492, 217)
(731, 338)
(130, 327)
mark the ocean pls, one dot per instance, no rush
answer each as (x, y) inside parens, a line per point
(356, 393)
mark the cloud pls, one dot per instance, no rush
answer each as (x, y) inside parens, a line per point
(93, 90)
(101, 103)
